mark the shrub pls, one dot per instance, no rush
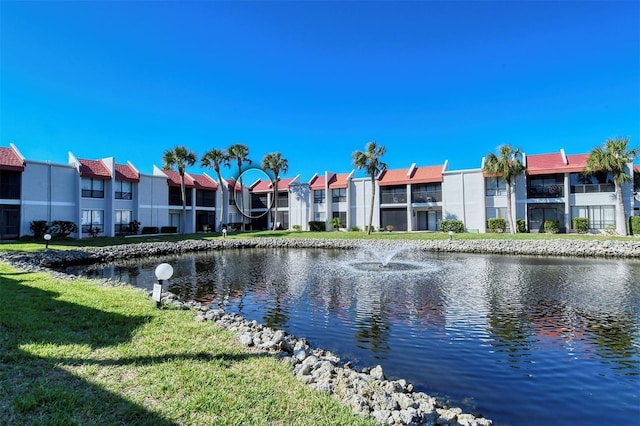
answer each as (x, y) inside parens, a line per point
(134, 227)
(38, 228)
(355, 229)
(580, 225)
(389, 228)
(497, 224)
(551, 226)
(610, 229)
(521, 226)
(454, 225)
(169, 230)
(317, 226)
(297, 228)
(146, 230)
(62, 228)
(634, 225)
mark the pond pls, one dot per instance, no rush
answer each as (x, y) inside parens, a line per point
(521, 340)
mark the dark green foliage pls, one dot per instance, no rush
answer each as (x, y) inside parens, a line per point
(317, 226)
(149, 230)
(580, 225)
(355, 229)
(634, 225)
(521, 226)
(235, 226)
(134, 227)
(38, 228)
(497, 224)
(551, 226)
(454, 225)
(169, 230)
(62, 228)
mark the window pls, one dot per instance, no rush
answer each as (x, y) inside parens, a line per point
(9, 185)
(319, 196)
(550, 186)
(599, 216)
(259, 201)
(92, 219)
(232, 197)
(597, 182)
(122, 219)
(175, 198)
(339, 195)
(342, 216)
(205, 198)
(92, 188)
(427, 192)
(495, 186)
(124, 190)
(319, 216)
(393, 194)
(283, 199)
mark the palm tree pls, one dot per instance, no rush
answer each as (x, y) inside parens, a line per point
(181, 158)
(275, 163)
(213, 159)
(240, 153)
(335, 222)
(369, 160)
(507, 165)
(613, 157)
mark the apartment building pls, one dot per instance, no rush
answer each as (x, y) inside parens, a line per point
(102, 197)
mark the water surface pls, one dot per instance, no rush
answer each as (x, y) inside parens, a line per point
(522, 340)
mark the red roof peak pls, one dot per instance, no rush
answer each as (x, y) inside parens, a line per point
(94, 169)
(127, 173)
(10, 160)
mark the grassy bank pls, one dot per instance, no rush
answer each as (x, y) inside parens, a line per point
(31, 245)
(72, 353)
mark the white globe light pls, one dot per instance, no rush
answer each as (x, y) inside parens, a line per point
(47, 237)
(164, 271)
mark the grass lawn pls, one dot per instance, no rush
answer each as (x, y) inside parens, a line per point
(74, 353)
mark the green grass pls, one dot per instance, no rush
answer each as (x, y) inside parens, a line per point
(28, 244)
(74, 353)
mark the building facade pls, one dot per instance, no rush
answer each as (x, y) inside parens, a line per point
(102, 197)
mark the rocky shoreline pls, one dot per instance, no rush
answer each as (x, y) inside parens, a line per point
(368, 392)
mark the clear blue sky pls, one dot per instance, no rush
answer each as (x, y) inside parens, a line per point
(431, 81)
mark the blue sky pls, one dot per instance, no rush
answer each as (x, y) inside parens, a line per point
(431, 81)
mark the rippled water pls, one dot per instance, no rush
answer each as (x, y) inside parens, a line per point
(522, 340)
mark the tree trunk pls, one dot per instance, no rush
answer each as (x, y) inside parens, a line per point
(621, 217)
(373, 198)
(275, 203)
(221, 209)
(512, 227)
(184, 204)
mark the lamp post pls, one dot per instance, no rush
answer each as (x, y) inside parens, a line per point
(47, 238)
(450, 235)
(163, 271)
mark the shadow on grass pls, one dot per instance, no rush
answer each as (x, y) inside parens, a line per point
(37, 390)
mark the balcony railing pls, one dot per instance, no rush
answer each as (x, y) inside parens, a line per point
(391, 198)
(550, 191)
(427, 196)
(591, 188)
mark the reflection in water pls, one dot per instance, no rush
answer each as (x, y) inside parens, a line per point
(558, 338)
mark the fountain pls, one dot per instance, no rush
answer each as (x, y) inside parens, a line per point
(380, 256)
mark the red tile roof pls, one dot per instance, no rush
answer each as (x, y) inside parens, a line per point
(94, 169)
(338, 181)
(553, 163)
(637, 168)
(10, 160)
(427, 174)
(204, 182)
(127, 173)
(265, 185)
(174, 179)
(317, 183)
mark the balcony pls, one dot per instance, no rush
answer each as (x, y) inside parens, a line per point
(546, 191)
(391, 198)
(427, 196)
(593, 188)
